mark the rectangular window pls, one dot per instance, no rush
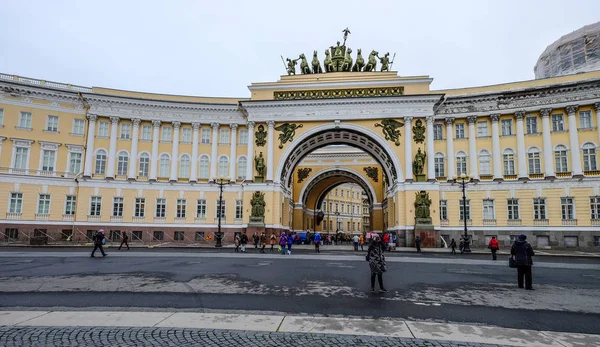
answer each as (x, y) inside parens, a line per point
(585, 119)
(199, 236)
(16, 203)
(509, 163)
(513, 209)
(117, 207)
(166, 134)
(158, 235)
(461, 165)
(25, 120)
(567, 208)
(558, 123)
(461, 209)
(460, 130)
(66, 234)
(125, 131)
(531, 123)
(136, 235)
(488, 209)
(201, 209)
(114, 235)
(224, 136)
(205, 136)
(78, 126)
(21, 156)
(186, 135)
(140, 207)
(539, 208)
(146, 132)
(43, 204)
(243, 137)
(74, 162)
(181, 204)
(437, 132)
(1, 117)
(11, 234)
(220, 206)
(439, 166)
(70, 205)
(179, 236)
(48, 160)
(95, 206)
(161, 208)
(506, 127)
(239, 207)
(535, 166)
(595, 207)
(103, 129)
(52, 124)
(443, 209)
(482, 129)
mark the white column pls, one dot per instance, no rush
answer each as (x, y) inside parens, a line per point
(134, 149)
(89, 149)
(213, 154)
(430, 150)
(574, 141)
(547, 142)
(472, 148)
(112, 151)
(173, 177)
(450, 148)
(250, 167)
(597, 106)
(154, 159)
(270, 144)
(496, 157)
(521, 151)
(408, 149)
(194, 163)
(232, 152)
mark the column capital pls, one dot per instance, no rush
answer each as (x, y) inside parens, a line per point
(519, 115)
(214, 126)
(233, 126)
(597, 106)
(408, 119)
(250, 124)
(270, 123)
(545, 112)
(94, 117)
(471, 119)
(571, 109)
(449, 121)
(429, 119)
(136, 122)
(176, 125)
(195, 126)
(114, 120)
(495, 117)
(156, 123)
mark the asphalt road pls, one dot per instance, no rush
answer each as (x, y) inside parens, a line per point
(421, 287)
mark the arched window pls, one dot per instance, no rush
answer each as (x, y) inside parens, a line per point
(122, 163)
(560, 157)
(165, 161)
(144, 164)
(461, 163)
(184, 166)
(204, 166)
(242, 166)
(439, 165)
(589, 157)
(100, 162)
(223, 166)
(509, 161)
(484, 162)
(535, 164)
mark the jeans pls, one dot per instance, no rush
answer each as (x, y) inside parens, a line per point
(494, 253)
(282, 249)
(97, 246)
(524, 271)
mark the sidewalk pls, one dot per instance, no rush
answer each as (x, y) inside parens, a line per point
(17, 327)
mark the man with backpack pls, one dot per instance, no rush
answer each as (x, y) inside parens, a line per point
(99, 240)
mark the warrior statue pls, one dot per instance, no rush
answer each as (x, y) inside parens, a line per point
(259, 164)
(419, 162)
(291, 69)
(258, 204)
(346, 32)
(385, 62)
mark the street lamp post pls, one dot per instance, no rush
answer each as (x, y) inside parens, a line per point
(463, 183)
(221, 182)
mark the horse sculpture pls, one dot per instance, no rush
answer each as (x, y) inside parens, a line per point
(304, 65)
(316, 64)
(347, 66)
(328, 63)
(372, 63)
(360, 62)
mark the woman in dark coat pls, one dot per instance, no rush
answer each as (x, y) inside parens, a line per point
(522, 251)
(376, 261)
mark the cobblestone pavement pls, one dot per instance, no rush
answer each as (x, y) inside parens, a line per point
(102, 336)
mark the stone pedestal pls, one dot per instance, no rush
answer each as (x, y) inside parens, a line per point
(259, 179)
(430, 238)
(420, 178)
(256, 224)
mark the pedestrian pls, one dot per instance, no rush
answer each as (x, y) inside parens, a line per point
(244, 241)
(361, 241)
(297, 239)
(386, 241)
(255, 239)
(307, 241)
(376, 261)
(393, 242)
(282, 242)
(317, 242)
(453, 246)
(290, 242)
(493, 245)
(263, 242)
(124, 241)
(99, 240)
(236, 242)
(273, 241)
(522, 251)
(356, 240)
(461, 245)
(418, 244)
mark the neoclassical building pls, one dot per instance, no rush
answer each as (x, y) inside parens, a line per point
(76, 159)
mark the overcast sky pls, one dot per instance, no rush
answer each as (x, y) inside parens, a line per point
(217, 48)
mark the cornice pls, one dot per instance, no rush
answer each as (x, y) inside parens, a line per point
(345, 84)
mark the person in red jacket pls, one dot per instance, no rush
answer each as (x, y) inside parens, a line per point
(493, 245)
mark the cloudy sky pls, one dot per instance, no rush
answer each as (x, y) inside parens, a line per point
(217, 48)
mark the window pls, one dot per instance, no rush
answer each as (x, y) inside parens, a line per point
(439, 165)
(533, 157)
(342, 194)
(488, 209)
(48, 159)
(243, 137)
(161, 208)
(184, 166)
(144, 164)
(95, 205)
(136, 235)
(114, 235)
(513, 209)
(220, 206)
(585, 119)
(21, 156)
(560, 157)
(43, 204)
(199, 236)
(66, 234)
(201, 209)
(539, 208)
(239, 207)
(74, 162)
(484, 162)
(437, 132)
(146, 132)
(25, 120)
(70, 205)
(482, 129)
(117, 207)
(531, 123)
(140, 207)
(179, 236)
(558, 123)
(166, 134)
(125, 131)
(461, 209)
(460, 130)
(11, 234)
(461, 163)
(242, 166)
(122, 163)
(223, 166)
(181, 205)
(443, 209)
(506, 127)
(78, 126)
(102, 129)
(1, 117)
(52, 124)
(205, 136)
(186, 135)
(165, 164)
(595, 207)
(509, 161)
(16, 203)
(567, 208)
(224, 136)
(589, 157)
(204, 167)
(158, 235)
(100, 162)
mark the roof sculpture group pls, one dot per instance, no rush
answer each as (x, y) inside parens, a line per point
(338, 59)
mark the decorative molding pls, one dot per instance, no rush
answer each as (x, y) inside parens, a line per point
(471, 119)
(597, 106)
(156, 123)
(495, 117)
(176, 125)
(303, 173)
(92, 117)
(250, 124)
(372, 172)
(270, 123)
(449, 121)
(430, 119)
(21, 142)
(419, 131)
(136, 122)
(519, 115)
(215, 126)
(339, 93)
(114, 120)
(545, 112)
(571, 109)
(260, 136)
(75, 148)
(49, 145)
(233, 126)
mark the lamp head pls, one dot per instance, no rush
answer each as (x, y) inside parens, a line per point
(463, 176)
(454, 178)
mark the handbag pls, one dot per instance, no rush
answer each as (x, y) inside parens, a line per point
(512, 262)
(103, 241)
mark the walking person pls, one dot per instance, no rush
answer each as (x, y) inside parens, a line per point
(522, 251)
(124, 241)
(255, 238)
(361, 241)
(273, 241)
(99, 240)
(453, 246)
(494, 246)
(236, 242)
(290, 242)
(263, 242)
(356, 240)
(461, 246)
(386, 241)
(244, 242)
(317, 242)
(418, 244)
(377, 264)
(282, 242)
